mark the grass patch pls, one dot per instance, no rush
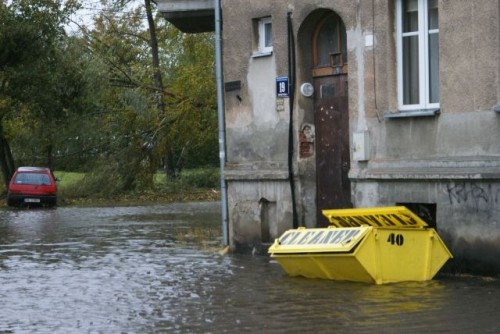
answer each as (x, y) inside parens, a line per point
(68, 179)
(201, 184)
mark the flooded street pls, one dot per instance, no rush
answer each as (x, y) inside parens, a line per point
(157, 269)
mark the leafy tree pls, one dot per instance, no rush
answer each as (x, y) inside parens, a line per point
(100, 100)
(176, 89)
(30, 33)
(191, 78)
(64, 136)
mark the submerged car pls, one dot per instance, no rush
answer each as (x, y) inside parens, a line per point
(32, 186)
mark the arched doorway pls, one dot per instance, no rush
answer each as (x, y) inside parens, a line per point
(331, 114)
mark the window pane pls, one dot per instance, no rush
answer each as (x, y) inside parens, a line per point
(433, 68)
(268, 35)
(344, 44)
(327, 91)
(32, 179)
(327, 42)
(410, 70)
(410, 15)
(433, 15)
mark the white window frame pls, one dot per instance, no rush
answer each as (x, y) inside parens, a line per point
(423, 42)
(262, 47)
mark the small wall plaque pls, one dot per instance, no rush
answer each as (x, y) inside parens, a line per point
(282, 86)
(232, 86)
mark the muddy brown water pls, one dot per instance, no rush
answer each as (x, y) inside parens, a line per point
(157, 269)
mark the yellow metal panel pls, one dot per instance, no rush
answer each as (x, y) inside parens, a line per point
(396, 255)
(406, 260)
(379, 256)
(393, 216)
(341, 267)
(368, 258)
(378, 245)
(318, 240)
(438, 254)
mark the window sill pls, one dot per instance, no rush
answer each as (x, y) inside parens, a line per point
(259, 54)
(413, 113)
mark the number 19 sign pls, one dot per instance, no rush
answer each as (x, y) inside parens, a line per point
(282, 86)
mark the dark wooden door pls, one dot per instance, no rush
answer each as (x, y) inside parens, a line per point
(331, 114)
(332, 144)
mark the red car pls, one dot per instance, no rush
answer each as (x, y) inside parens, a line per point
(32, 186)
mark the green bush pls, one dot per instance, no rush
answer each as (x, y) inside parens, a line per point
(201, 177)
(190, 179)
(102, 185)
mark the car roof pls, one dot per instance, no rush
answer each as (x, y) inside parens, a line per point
(33, 169)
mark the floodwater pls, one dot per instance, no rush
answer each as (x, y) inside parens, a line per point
(157, 269)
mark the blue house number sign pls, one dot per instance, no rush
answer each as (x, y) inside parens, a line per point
(282, 86)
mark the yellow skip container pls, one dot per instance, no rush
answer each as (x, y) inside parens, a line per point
(375, 245)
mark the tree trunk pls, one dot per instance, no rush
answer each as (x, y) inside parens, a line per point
(170, 165)
(158, 81)
(6, 160)
(180, 162)
(50, 161)
(158, 85)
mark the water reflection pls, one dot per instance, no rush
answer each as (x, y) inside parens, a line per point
(157, 269)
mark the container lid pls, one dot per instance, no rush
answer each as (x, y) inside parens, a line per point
(319, 240)
(392, 216)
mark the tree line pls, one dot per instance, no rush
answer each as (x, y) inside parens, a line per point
(119, 98)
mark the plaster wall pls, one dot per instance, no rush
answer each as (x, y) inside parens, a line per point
(259, 212)
(468, 55)
(414, 160)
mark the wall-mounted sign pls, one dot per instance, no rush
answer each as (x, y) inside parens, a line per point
(282, 86)
(232, 85)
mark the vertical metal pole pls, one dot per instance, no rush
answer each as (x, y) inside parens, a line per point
(291, 74)
(220, 113)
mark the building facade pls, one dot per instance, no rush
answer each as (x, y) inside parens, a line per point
(364, 103)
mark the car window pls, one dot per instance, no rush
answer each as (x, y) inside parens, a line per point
(32, 178)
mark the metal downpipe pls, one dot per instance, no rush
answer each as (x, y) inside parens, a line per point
(291, 73)
(221, 121)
